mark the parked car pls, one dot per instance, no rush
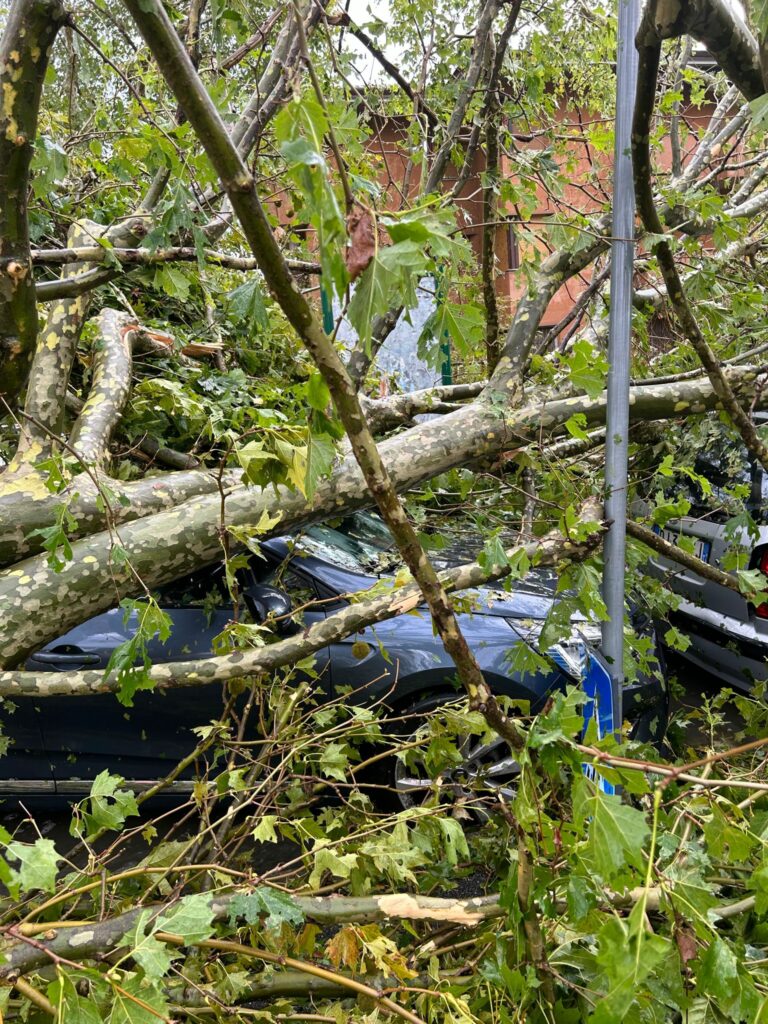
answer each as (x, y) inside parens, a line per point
(728, 635)
(62, 743)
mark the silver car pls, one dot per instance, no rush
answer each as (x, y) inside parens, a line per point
(728, 635)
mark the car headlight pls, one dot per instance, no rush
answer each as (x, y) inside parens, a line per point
(570, 654)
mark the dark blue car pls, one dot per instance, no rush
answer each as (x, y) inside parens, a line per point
(61, 743)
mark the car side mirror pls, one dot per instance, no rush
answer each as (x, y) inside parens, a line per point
(264, 602)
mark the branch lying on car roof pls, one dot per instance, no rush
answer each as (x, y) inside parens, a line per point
(92, 582)
(240, 186)
(549, 550)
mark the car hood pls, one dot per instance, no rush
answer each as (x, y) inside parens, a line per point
(530, 598)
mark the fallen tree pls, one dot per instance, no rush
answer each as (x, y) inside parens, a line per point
(284, 191)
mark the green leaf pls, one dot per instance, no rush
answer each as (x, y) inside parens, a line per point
(49, 166)
(576, 426)
(265, 902)
(563, 721)
(454, 840)
(174, 282)
(388, 281)
(246, 306)
(191, 918)
(153, 956)
(339, 865)
(106, 807)
(627, 956)
(432, 226)
(718, 973)
(321, 453)
(55, 539)
(587, 368)
(759, 110)
(318, 395)
(136, 1002)
(759, 11)
(265, 830)
(334, 761)
(130, 659)
(38, 866)
(70, 1005)
(616, 832)
(461, 323)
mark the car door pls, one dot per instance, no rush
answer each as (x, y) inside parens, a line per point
(25, 768)
(86, 735)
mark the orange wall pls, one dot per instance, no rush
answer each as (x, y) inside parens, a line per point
(591, 173)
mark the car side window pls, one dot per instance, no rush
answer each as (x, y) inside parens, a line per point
(205, 588)
(300, 588)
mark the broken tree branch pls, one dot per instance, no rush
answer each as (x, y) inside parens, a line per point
(110, 387)
(547, 551)
(239, 184)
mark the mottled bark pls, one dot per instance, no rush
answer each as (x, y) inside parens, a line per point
(55, 353)
(27, 41)
(27, 504)
(718, 26)
(40, 604)
(110, 386)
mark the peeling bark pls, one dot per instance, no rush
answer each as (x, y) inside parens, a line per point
(110, 387)
(92, 940)
(164, 546)
(24, 51)
(547, 551)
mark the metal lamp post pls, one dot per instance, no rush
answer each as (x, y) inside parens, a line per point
(620, 326)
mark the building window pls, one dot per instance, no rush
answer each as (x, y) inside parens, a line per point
(513, 256)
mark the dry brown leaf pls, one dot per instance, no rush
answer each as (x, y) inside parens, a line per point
(343, 950)
(362, 242)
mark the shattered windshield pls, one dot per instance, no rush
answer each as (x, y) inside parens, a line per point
(360, 542)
